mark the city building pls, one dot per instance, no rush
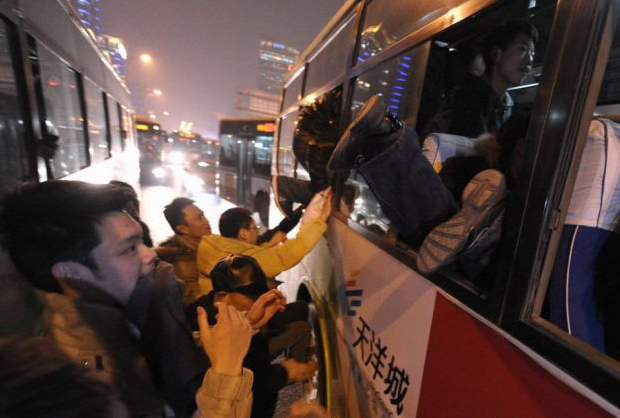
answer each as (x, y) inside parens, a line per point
(116, 53)
(89, 12)
(275, 60)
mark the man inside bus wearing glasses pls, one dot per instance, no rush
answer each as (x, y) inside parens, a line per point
(412, 195)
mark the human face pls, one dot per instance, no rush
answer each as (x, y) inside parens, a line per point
(196, 225)
(249, 234)
(121, 257)
(513, 63)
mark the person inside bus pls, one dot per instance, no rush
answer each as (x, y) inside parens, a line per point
(243, 238)
(239, 280)
(480, 103)
(112, 307)
(314, 139)
(189, 224)
(411, 194)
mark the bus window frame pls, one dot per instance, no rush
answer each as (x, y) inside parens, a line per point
(547, 193)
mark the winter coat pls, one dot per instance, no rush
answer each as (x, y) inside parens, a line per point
(273, 260)
(181, 253)
(470, 109)
(100, 337)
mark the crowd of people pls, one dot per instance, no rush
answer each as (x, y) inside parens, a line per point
(135, 334)
(194, 327)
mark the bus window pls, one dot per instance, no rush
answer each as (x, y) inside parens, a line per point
(245, 158)
(292, 91)
(62, 111)
(330, 61)
(127, 130)
(99, 147)
(383, 26)
(262, 155)
(286, 158)
(13, 154)
(398, 82)
(115, 125)
(583, 288)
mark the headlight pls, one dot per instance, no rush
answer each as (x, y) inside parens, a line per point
(159, 172)
(177, 157)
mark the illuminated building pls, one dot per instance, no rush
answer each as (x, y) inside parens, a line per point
(275, 59)
(89, 14)
(116, 53)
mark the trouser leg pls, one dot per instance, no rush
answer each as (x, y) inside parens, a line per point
(406, 186)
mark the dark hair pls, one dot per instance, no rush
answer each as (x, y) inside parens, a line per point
(232, 220)
(241, 274)
(502, 36)
(38, 380)
(174, 212)
(45, 223)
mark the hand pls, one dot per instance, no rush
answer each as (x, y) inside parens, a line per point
(297, 371)
(319, 207)
(277, 238)
(304, 409)
(265, 307)
(228, 341)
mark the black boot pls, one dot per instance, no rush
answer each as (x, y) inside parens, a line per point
(371, 132)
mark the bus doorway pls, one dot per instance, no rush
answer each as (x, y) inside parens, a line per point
(245, 158)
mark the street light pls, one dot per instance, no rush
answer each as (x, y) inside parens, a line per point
(138, 81)
(146, 58)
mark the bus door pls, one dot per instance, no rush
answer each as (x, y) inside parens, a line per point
(245, 162)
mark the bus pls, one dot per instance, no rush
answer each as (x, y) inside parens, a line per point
(245, 158)
(394, 342)
(151, 139)
(65, 112)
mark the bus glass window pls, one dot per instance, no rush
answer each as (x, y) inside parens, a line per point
(13, 154)
(386, 22)
(62, 111)
(292, 92)
(330, 61)
(581, 297)
(115, 125)
(127, 130)
(397, 81)
(466, 126)
(286, 158)
(99, 147)
(262, 155)
(229, 151)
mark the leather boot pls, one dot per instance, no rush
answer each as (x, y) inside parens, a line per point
(371, 132)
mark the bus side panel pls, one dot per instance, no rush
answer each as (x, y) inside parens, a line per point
(484, 375)
(383, 325)
(404, 348)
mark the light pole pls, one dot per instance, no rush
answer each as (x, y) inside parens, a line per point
(138, 78)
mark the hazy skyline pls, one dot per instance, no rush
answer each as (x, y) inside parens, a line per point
(204, 52)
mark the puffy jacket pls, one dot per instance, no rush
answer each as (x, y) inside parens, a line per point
(181, 253)
(273, 260)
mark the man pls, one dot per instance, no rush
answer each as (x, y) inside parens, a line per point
(238, 280)
(84, 254)
(388, 155)
(480, 104)
(189, 225)
(240, 235)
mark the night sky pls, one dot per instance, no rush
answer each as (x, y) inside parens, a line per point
(204, 51)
